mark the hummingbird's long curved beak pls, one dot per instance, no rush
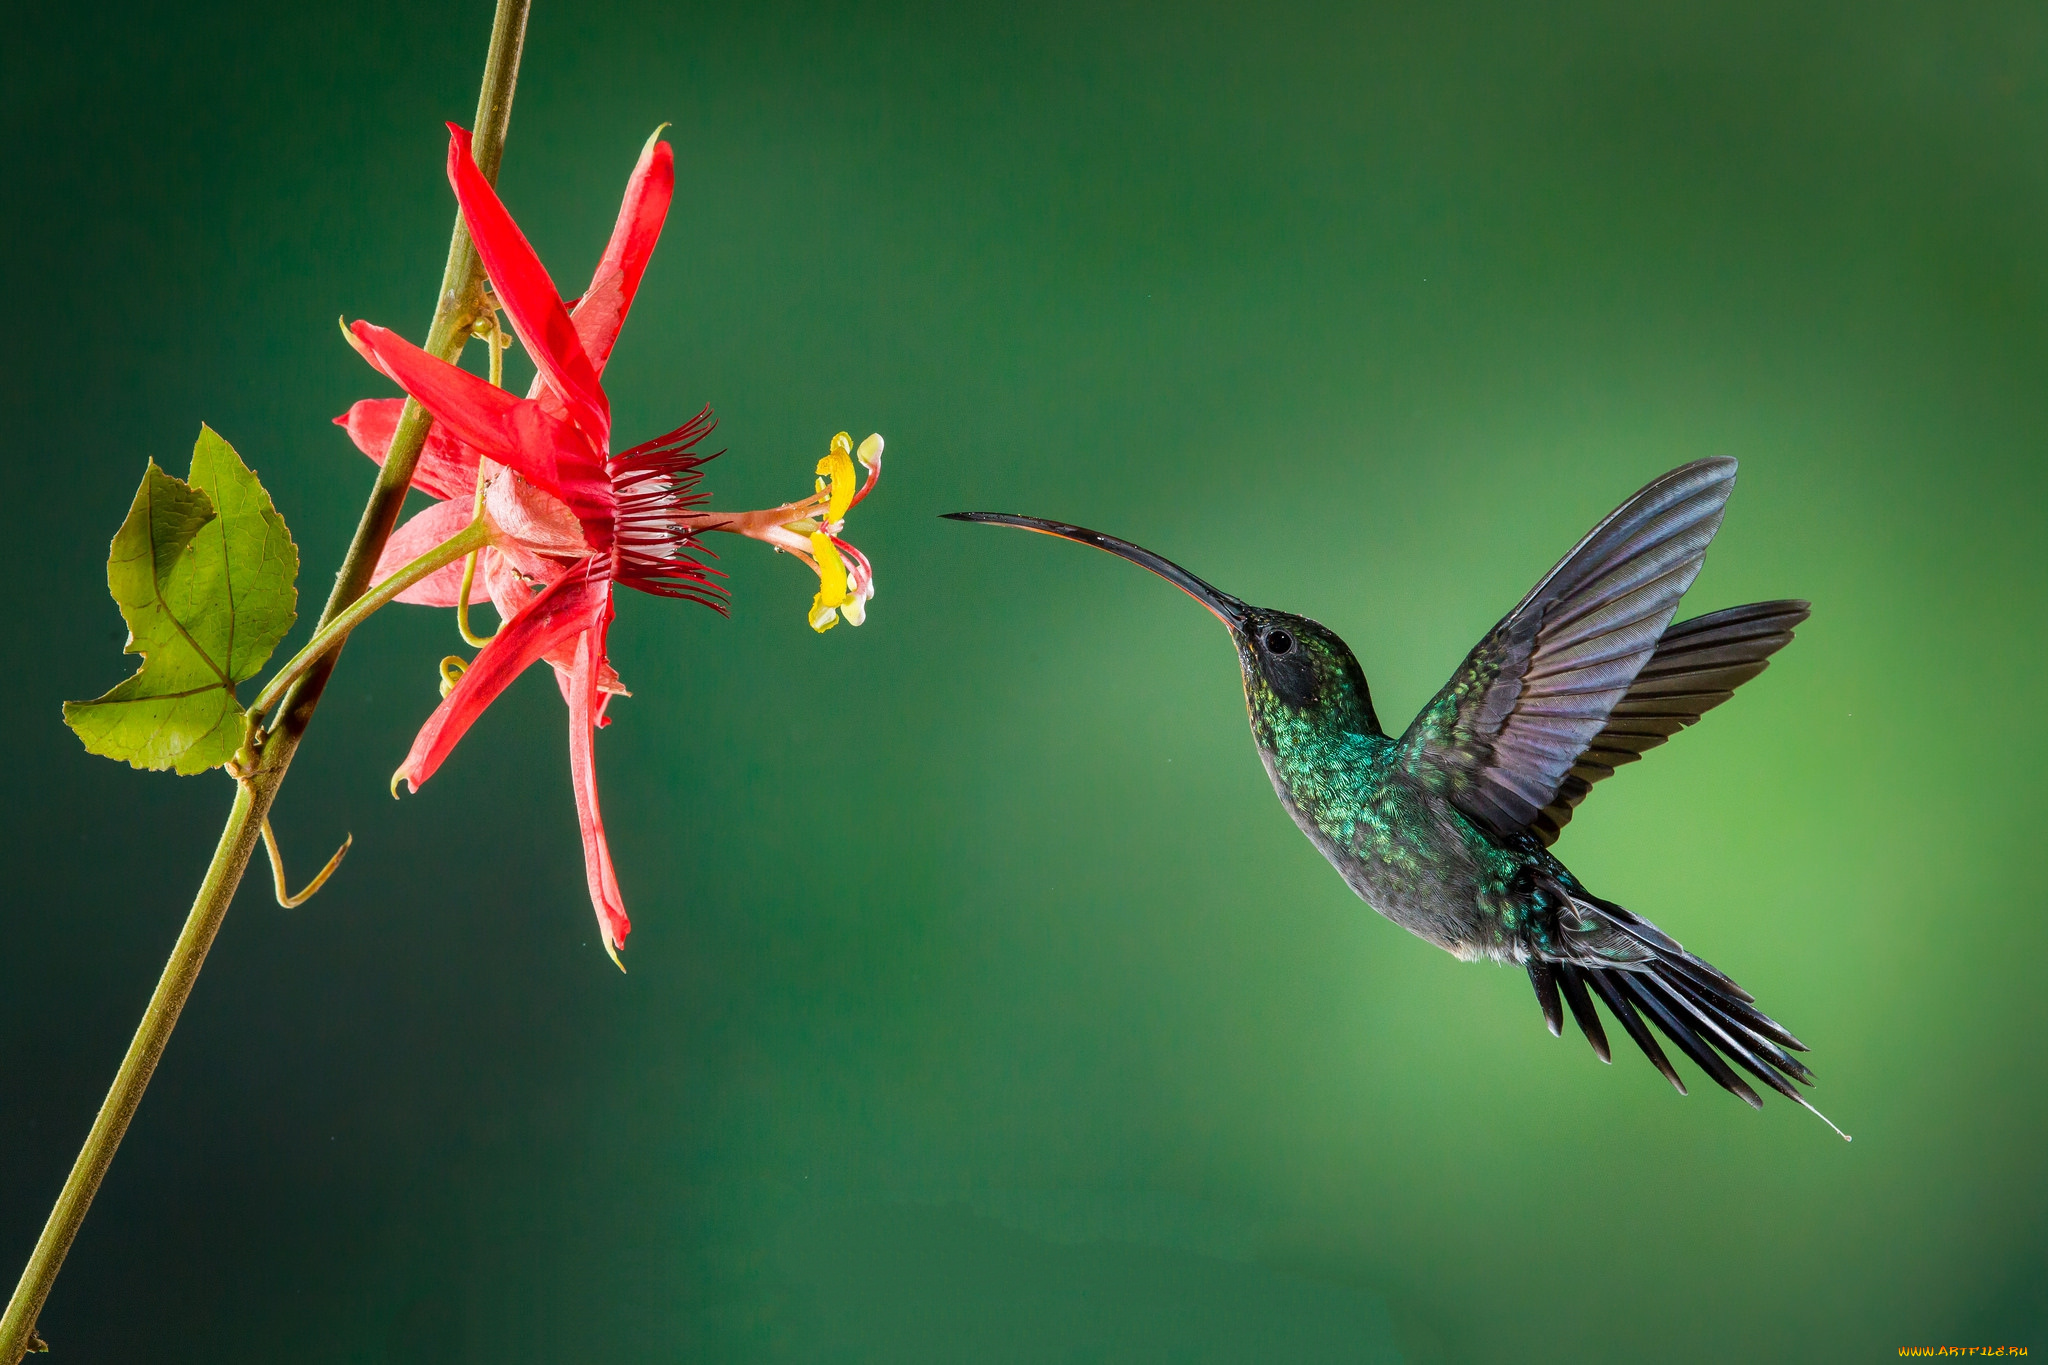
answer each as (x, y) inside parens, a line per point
(1225, 608)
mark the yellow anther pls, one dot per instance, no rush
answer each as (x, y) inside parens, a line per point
(831, 583)
(838, 468)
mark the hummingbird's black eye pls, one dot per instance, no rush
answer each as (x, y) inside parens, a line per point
(1278, 641)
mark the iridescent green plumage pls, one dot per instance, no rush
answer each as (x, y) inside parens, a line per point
(1446, 829)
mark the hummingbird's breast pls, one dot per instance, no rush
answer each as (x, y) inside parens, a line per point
(1400, 845)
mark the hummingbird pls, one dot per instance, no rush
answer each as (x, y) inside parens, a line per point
(1446, 829)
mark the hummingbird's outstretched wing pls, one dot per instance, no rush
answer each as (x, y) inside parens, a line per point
(1696, 666)
(1535, 692)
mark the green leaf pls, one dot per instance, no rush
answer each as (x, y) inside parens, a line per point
(204, 574)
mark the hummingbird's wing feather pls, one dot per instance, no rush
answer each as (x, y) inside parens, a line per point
(1696, 666)
(1532, 695)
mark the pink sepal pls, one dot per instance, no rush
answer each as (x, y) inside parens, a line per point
(446, 468)
(432, 527)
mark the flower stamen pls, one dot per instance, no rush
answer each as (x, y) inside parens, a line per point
(809, 528)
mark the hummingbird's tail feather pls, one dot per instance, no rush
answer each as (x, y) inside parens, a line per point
(1658, 1005)
(1574, 983)
(1712, 1020)
(1603, 982)
(1545, 984)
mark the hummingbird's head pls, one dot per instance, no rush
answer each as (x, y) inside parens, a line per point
(1295, 666)
(1292, 666)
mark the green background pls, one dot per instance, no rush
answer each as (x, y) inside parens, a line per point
(983, 1004)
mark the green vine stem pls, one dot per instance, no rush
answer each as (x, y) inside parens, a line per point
(328, 638)
(457, 307)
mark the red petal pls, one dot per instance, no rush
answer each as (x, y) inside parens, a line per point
(602, 309)
(514, 431)
(574, 602)
(442, 587)
(447, 466)
(585, 703)
(528, 295)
